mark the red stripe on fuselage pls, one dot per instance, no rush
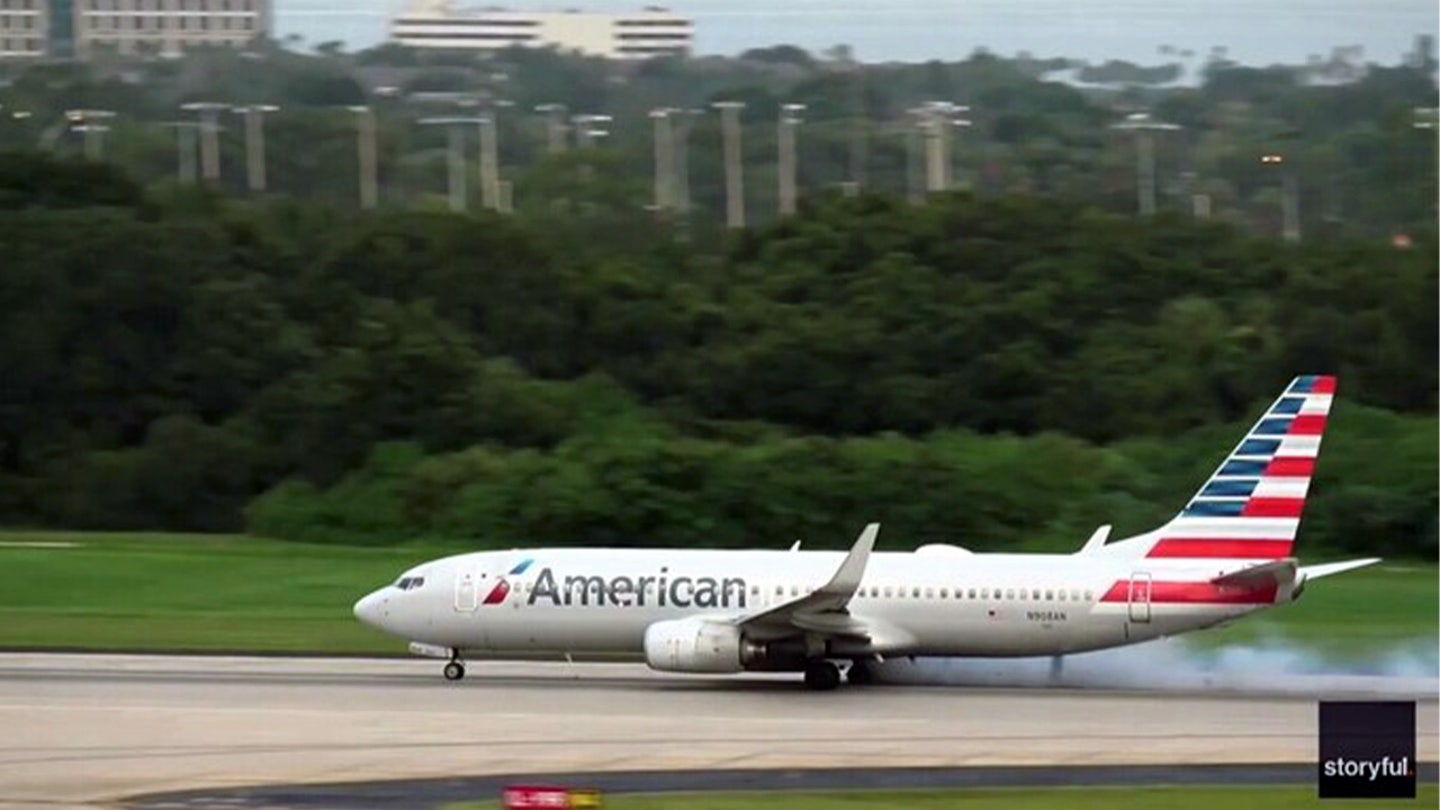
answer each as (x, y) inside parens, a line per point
(1218, 547)
(1273, 507)
(1192, 593)
(1307, 424)
(1290, 466)
(498, 593)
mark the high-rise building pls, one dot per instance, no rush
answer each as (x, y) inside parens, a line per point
(81, 28)
(23, 28)
(439, 24)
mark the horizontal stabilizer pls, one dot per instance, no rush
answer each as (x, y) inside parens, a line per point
(1317, 571)
(1280, 572)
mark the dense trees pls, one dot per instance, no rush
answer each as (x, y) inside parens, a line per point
(623, 483)
(994, 372)
(1348, 135)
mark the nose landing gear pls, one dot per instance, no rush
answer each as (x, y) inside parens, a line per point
(455, 670)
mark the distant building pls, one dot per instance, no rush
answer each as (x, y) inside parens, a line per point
(638, 35)
(81, 28)
(24, 25)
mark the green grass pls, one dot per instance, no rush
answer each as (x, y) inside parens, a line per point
(209, 592)
(1352, 614)
(200, 592)
(1171, 798)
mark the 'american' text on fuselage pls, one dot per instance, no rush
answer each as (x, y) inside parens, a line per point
(622, 591)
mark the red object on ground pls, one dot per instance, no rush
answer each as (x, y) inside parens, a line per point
(534, 797)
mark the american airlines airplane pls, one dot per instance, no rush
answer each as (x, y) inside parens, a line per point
(1228, 553)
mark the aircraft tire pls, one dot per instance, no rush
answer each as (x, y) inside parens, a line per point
(454, 671)
(860, 673)
(821, 676)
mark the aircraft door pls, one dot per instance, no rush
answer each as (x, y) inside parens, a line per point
(466, 591)
(1140, 597)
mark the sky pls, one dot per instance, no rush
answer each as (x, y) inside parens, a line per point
(1257, 32)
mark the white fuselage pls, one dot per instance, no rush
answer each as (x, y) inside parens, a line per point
(940, 600)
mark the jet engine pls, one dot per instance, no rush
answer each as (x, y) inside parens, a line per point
(695, 645)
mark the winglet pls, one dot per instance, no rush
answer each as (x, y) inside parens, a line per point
(832, 597)
(847, 576)
(1096, 540)
(795, 546)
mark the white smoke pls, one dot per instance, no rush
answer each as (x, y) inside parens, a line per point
(1273, 666)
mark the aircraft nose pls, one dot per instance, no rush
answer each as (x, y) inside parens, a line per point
(370, 609)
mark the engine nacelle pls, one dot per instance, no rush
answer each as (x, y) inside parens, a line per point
(694, 645)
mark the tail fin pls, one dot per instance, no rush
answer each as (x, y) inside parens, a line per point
(1250, 508)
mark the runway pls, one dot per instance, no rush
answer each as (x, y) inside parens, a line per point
(87, 730)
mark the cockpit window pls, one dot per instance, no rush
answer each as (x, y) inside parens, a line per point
(410, 583)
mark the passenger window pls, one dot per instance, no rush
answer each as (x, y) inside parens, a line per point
(971, 593)
(929, 593)
(1009, 593)
(1062, 596)
(1049, 595)
(779, 590)
(984, 593)
(1088, 596)
(915, 592)
(944, 592)
(1037, 594)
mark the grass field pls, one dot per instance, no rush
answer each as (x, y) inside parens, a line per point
(205, 592)
(1170, 798)
(194, 592)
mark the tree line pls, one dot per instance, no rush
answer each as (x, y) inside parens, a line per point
(995, 372)
(1360, 167)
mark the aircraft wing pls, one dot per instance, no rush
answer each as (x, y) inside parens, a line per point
(823, 609)
(1097, 540)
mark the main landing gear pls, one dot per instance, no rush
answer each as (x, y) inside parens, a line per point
(821, 676)
(455, 670)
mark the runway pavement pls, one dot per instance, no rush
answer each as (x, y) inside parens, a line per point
(84, 730)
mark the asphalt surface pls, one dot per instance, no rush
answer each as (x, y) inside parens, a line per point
(94, 730)
(437, 792)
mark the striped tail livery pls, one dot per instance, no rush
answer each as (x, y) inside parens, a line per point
(1250, 507)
